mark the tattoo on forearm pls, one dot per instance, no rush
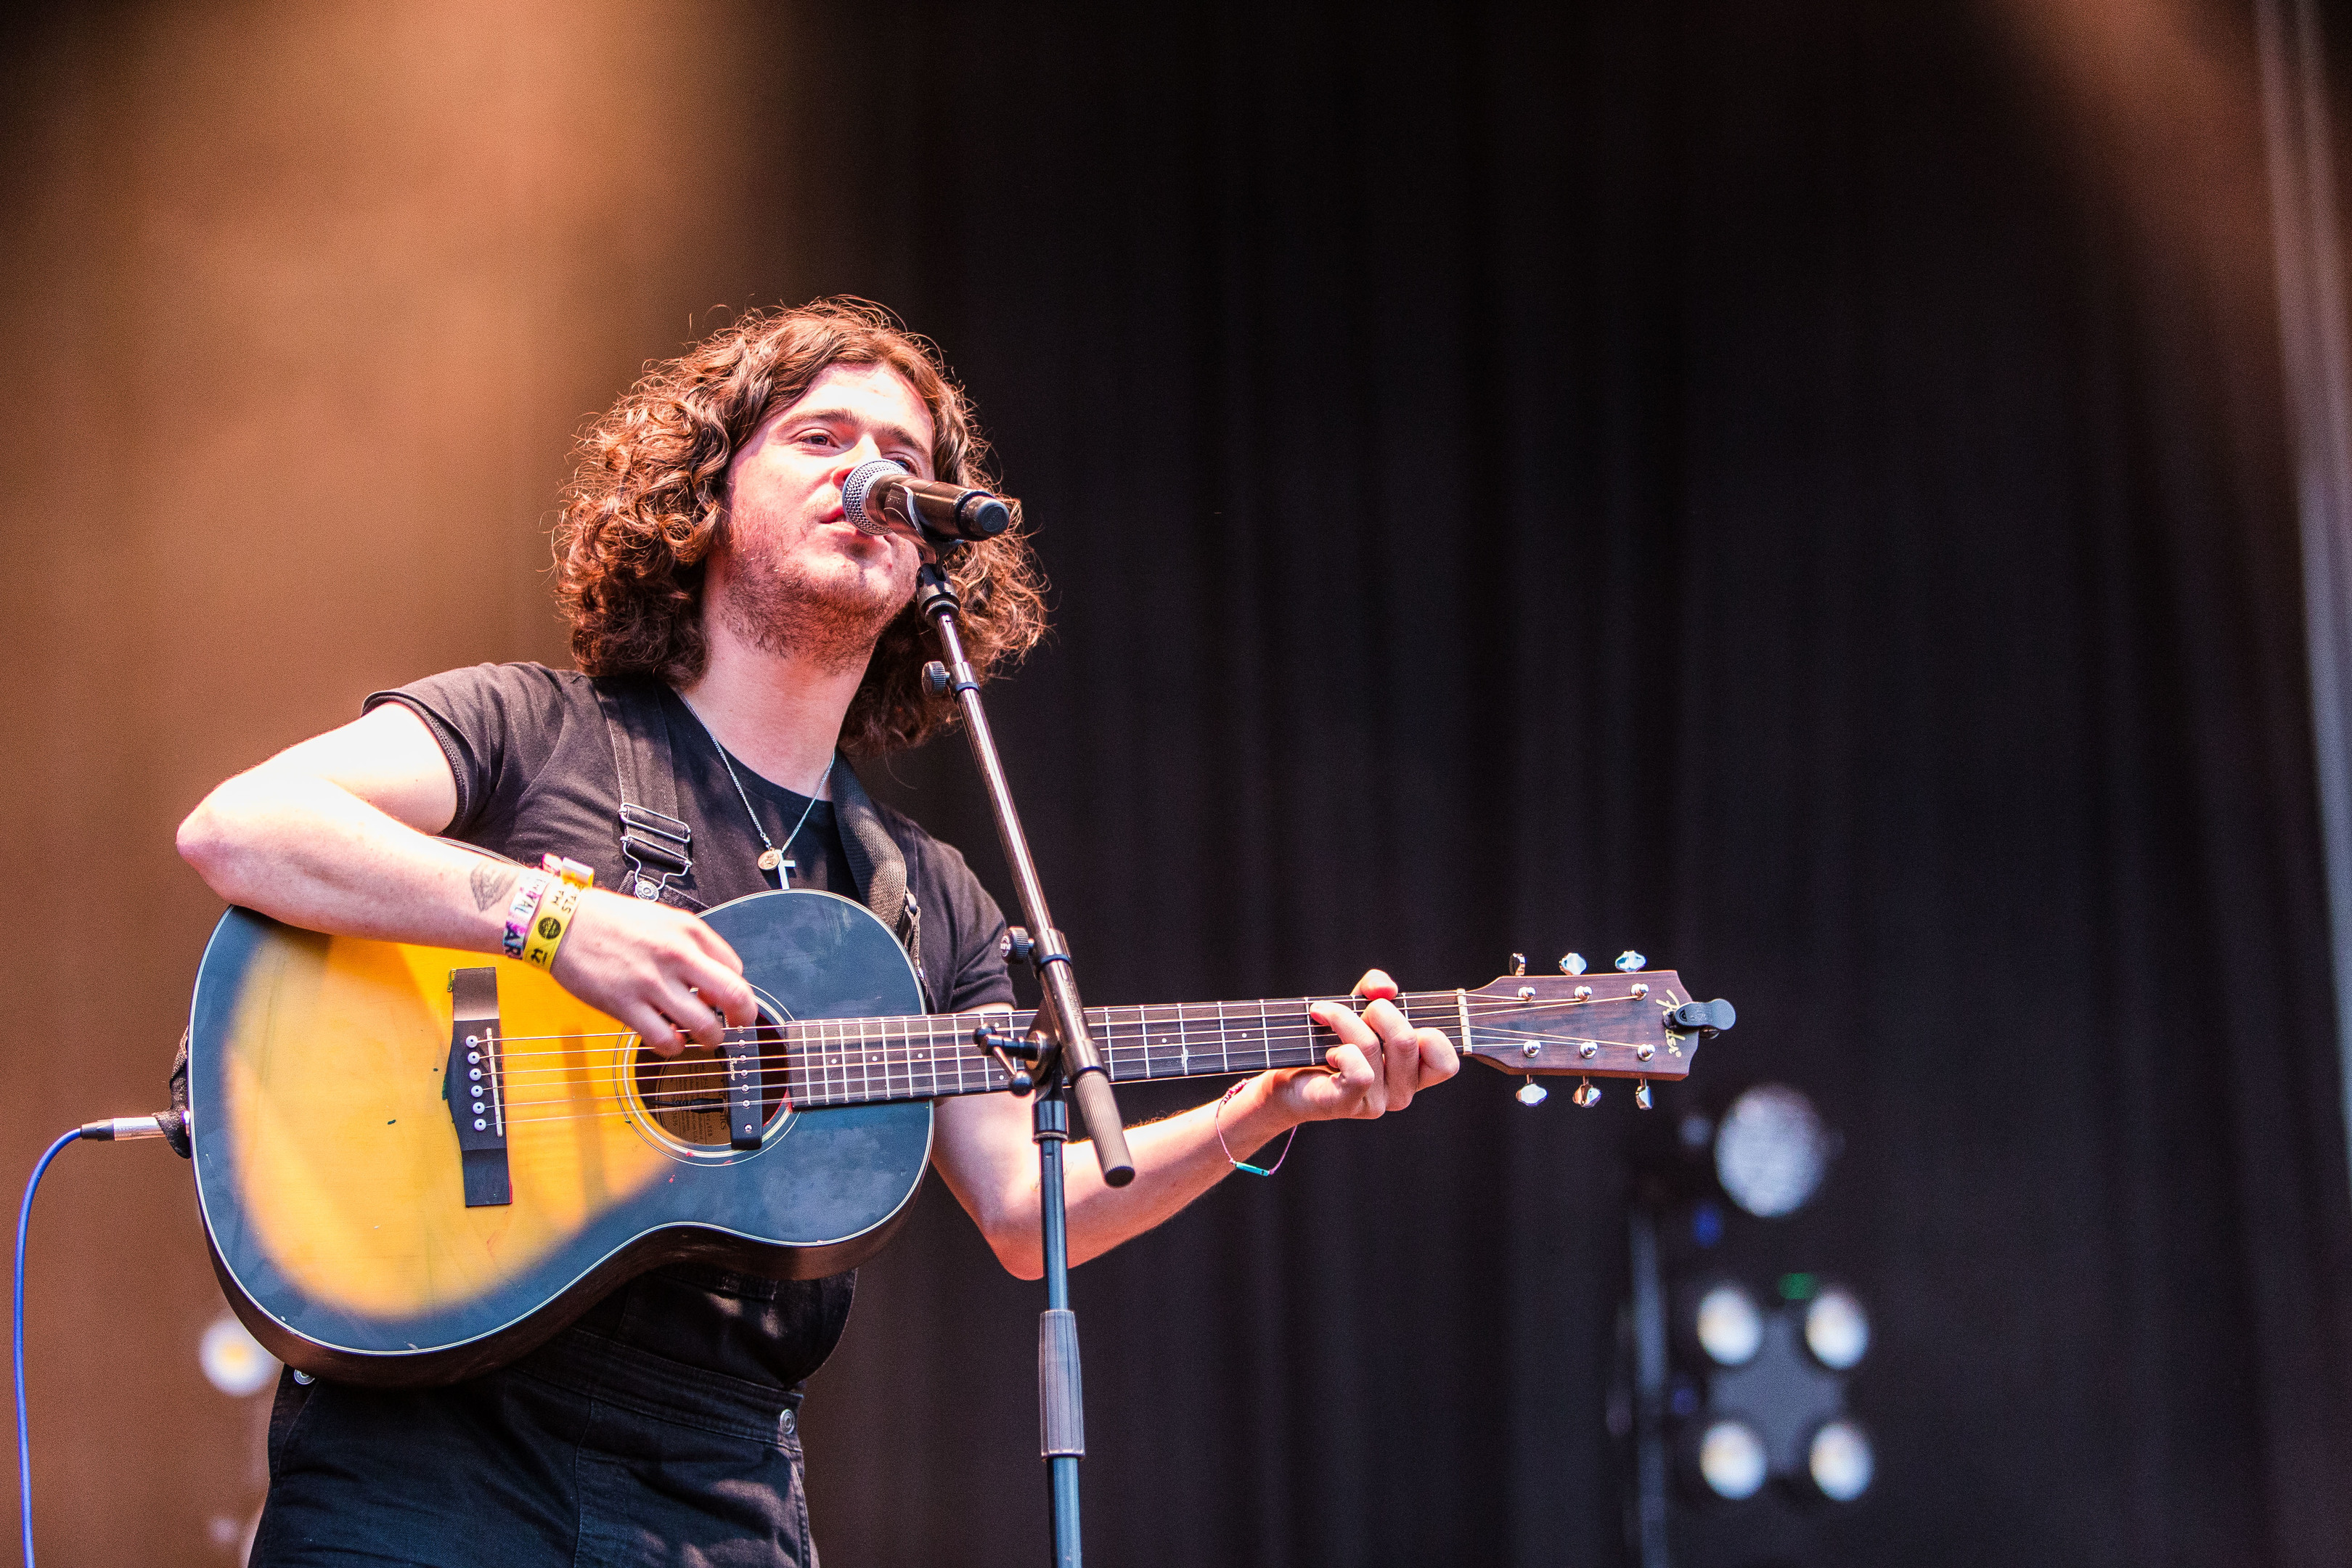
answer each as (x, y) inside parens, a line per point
(492, 882)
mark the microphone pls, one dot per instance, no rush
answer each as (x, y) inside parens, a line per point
(880, 497)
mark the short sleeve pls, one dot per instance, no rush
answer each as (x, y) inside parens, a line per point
(495, 724)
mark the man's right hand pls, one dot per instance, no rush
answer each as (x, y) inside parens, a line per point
(660, 970)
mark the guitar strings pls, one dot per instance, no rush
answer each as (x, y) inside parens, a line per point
(957, 1034)
(855, 1056)
(700, 1071)
(1125, 1063)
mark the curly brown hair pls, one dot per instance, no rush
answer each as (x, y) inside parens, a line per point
(649, 495)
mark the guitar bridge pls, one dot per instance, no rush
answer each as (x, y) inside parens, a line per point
(743, 1090)
(476, 1089)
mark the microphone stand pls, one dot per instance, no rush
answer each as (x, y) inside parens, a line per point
(1067, 1065)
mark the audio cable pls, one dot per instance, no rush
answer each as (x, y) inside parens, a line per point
(118, 1129)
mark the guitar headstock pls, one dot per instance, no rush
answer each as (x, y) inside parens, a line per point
(1637, 1023)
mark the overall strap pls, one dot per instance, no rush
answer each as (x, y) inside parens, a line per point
(877, 865)
(656, 842)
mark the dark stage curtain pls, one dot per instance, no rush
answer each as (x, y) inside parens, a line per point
(1796, 487)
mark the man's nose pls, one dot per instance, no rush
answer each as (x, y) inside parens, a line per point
(866, 450)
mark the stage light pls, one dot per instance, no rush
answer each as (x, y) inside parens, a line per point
(1730, 1325)
(1837, 1330)
(1772, 1150)
(234, 1360)
(1731, 1458)
(1839, 1460)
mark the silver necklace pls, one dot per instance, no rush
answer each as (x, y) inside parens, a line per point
(771, 858)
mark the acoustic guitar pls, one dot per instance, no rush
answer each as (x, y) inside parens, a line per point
(415, 1164)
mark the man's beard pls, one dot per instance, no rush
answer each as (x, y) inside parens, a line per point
(778, 607)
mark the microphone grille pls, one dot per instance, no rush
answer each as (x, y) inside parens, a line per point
(858, 489)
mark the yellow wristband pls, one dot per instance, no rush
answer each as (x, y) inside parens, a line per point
(554, 919)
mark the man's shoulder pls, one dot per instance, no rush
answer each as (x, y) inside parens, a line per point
(931, 858)
(524, 679)
(518, 693)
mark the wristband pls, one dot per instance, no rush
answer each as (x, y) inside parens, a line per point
(1218, 1121)
(568, 870)
(529, 889)
(554, 919)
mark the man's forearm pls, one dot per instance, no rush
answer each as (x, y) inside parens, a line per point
(308, 852)
(1175, 1162)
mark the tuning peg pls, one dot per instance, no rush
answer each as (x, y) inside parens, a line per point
(1571, 963)
(1642, 1094)
(1587, 1095)
(1519, 963)
(1630, 961)
(1531, 1094)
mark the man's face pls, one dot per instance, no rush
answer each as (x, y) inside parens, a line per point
(790, 575)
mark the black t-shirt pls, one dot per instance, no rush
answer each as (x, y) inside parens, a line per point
(533, 763)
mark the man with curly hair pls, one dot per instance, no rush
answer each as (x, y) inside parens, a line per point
(721, 606)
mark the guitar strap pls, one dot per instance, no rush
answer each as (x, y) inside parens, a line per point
(656, 843)
(878, 866)
(658, 846)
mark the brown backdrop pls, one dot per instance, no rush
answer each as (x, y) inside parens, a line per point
(297, 303)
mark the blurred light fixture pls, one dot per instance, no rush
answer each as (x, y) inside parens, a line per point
(1731, 1460)
(1837, 1330)
(1772, 1150)
(234, 1360)
(1729, 1324)
(1839, 1460)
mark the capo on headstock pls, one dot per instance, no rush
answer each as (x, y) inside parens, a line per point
(1709, 1018)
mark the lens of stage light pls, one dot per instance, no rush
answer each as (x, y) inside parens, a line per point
(1730, 1326)
(1731, 1460)
(1772, 1150)
(234, 1360)
(1840, 1460)
(1837, 1330)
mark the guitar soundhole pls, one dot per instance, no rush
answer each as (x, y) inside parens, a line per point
(686, 1094)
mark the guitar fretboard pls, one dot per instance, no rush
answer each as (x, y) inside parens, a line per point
(865, 1061)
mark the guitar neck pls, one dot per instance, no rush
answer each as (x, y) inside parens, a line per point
(864, 1061)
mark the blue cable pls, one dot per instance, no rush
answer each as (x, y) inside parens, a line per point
(24, 1442)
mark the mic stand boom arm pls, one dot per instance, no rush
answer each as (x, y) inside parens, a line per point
(1068, 1067)
(1071, 1058)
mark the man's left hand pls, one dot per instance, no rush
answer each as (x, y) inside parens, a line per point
(1377, 1064)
